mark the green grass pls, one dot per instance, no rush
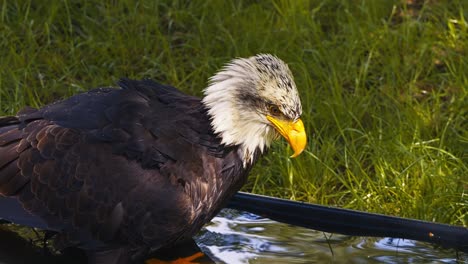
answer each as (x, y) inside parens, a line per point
(383, 84)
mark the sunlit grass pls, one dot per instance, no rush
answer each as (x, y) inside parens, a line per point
(383, 84)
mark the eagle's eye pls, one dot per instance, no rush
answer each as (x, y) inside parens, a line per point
(274, 110)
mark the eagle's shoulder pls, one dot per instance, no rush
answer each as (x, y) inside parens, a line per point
(142, 119)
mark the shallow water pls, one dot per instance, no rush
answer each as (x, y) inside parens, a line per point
(237, 237)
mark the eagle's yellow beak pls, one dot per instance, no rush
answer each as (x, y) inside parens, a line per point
(293, 132)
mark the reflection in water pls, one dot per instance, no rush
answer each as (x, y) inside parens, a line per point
(235, 237)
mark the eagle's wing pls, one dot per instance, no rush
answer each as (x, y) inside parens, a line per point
(111, 165)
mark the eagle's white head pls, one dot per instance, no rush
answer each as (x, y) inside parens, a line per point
(252, 101)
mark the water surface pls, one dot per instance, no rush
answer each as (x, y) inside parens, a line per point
(239, 237)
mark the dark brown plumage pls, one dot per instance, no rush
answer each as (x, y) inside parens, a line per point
(117, 167)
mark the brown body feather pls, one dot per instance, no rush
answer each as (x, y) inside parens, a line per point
(137, 167)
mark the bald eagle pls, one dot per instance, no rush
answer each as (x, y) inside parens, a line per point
(144, 166)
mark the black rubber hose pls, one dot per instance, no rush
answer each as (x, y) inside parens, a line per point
(350, 222)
